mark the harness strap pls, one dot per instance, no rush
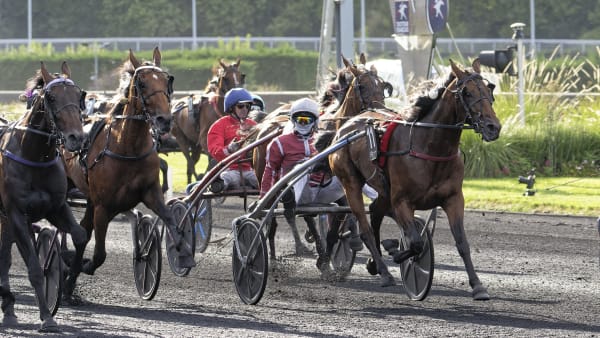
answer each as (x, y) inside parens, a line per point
(29, 163)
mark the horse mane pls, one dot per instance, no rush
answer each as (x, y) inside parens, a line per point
(126, 71)
(424, 96)
(35, 82)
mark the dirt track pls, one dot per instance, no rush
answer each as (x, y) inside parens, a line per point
(542, 274)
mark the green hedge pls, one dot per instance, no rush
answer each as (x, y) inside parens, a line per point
(281, 68)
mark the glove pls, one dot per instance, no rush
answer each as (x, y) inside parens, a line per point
(234, 146)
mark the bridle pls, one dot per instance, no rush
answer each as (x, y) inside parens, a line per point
(224, 82)
(44, 104)
(365, 97)
(462, 97)
(138, 94)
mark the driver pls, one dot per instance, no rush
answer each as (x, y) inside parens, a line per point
(227, 135)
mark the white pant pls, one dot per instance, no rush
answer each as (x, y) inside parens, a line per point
(306, 194)
(233, 180)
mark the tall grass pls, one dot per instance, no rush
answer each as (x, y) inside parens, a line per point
(561, 134)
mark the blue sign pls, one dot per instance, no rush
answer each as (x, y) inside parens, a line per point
(437, 15)
(401, 15)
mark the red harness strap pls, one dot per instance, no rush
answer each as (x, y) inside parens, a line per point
(385, 141)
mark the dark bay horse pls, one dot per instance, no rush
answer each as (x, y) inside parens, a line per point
(33, 183)
(192, 118)
(421, 167)
(121, 166)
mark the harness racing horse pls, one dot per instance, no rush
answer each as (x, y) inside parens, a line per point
(332, 99)
(121, 166)
(421, 167)
(33, 183)
(192, 120)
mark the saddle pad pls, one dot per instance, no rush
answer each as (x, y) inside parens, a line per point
(385, 141)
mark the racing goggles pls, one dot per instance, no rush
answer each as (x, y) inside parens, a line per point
(243, 105)
(304, 120)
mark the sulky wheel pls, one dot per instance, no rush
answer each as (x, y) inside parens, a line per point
(203, 226)
(48, 250)
(178, 209)
(249, 261)
(417, 271)
(147, 257)
(342, 255)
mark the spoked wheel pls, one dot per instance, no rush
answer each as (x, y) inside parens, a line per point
(249, 261)
(203, 226)
(417, 271)
(342, 255)
(147, 257)
(48, 250)
(178, 209)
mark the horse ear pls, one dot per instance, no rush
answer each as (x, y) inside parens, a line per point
(457, 71)
(133, 60)
(346, 62)
(65, 69)
(156, 57)
(476, 65)
(363, 59)
(45, 75)
(237, 62)
(223, 65)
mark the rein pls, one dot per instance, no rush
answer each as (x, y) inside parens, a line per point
(54, 133)
(144, 117)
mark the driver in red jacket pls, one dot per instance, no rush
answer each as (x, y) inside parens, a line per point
(226, 136)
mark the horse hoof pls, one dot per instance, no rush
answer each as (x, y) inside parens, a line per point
(372, 267)
(10, 320)
(480, 293)
(309, 237)
(356, 243)
(302, 250)
(49, 325)
(186, 261)
(387, 281)
(87, 267)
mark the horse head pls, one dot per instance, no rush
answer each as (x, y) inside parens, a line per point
(59, 107)
(150, 90)
(229, 76)
(475, 96)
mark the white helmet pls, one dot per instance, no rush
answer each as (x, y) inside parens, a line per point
(305, 105)
(304, 115)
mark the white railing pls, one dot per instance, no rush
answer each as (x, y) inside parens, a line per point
(375, 46)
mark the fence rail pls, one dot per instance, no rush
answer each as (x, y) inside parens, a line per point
(375, 46)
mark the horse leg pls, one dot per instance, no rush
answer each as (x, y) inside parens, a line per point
(153, 199)
(455, 212)
(323, 254)
(377, 211)
(164, 169)
(8, 299)
(65, 221)
(26, 246)
(289, 210)
(101, 218)
(271, 237)
(355, 200)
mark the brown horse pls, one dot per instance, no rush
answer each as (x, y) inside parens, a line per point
(33, 184)
(332, 98)
(421, 168)
(190, 126)
(121, 165)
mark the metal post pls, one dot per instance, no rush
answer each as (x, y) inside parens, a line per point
(363, 43)
(29, 25)
(532, 30)
(518, 36)
(338, 33)
(194, 37)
